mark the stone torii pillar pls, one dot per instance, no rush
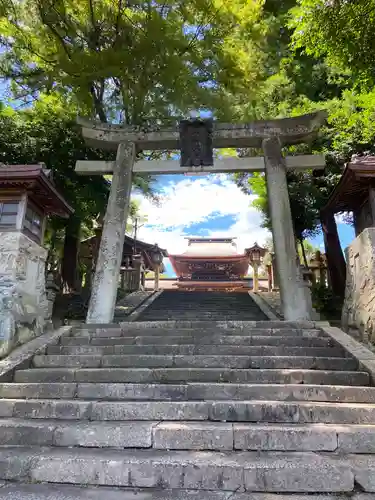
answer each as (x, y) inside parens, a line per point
(104, 288)
(292, 288)
(196, 157)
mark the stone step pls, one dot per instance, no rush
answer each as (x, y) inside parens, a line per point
(190, 349)
(210, 317)
(298, 412)
(175, 375)
(166, 313)
(221, 436)
(203, 305)
(203, 332)
(20, 491)
(199, 324)
(290, 341)
(278, 323)
(199, 361)
(221, 312)
(185, 435)
(185, 392)
(295, 472)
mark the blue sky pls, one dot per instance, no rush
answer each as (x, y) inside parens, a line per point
(206, 206)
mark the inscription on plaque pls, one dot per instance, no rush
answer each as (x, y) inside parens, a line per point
(196, 143)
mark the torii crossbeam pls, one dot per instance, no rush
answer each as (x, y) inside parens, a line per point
(223, 165)
(270, 135)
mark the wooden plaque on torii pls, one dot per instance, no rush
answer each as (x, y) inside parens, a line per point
(196, 143)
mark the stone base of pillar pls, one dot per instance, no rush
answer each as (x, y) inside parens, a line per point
(302, 299)
(24, 306)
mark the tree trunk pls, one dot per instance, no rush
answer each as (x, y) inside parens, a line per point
(303, 253)
(69, 268)
(51, 252)
(335, 257)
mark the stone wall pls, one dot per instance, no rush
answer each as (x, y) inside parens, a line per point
(359, 305)
(23, 300)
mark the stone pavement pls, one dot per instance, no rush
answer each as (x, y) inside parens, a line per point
(214, 306)
(273, 300)
(126, 306)
(190, 410)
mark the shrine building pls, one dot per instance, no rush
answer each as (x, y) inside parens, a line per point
(210, 263)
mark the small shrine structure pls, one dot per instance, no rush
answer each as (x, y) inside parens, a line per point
(355, 193)
(196, 139)
(210, 264)
(27, 197)
(137, 259)
(255, 255)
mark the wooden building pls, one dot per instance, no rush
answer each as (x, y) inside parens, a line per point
(137, 259)
(210, 263)
(27, 197)
(356, 193)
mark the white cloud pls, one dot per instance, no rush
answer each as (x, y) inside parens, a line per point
(196, 200)
(342, 218)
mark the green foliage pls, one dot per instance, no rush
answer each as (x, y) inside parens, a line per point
(326, 302)
(47, 133)
(304, 44)
(308, 248)
(340, 31)
(137, 62)
(352, 122)
(152, 62)
(150, 275)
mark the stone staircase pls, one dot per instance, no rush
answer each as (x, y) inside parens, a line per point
(189, 411)
(209, 306)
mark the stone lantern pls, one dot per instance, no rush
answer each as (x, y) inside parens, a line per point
(27, 197)
(255, 254)
(157, 260)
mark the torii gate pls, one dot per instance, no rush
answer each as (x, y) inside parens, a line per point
(270, 135)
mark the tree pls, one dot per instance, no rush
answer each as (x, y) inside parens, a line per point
(137, 63)
(298, 81)
(47, 133)
(340, 31)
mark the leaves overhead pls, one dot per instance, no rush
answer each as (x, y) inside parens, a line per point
(131, 62)
(316, 55)
(340, 31)
(155, 61)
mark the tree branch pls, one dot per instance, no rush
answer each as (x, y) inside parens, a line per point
(53, 31)
(98, 104)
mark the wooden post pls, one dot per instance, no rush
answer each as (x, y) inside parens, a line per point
(371, 199)
(269, 275)
(255, 277)
(157, 276)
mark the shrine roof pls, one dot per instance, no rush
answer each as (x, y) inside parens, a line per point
(35, 179)
(210, 247)
(87, 246)
(353, 188)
